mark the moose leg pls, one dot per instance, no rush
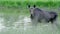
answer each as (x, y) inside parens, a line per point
(52, 22)
(39, 21)
(47, 21)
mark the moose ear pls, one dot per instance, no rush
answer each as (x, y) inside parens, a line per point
(28, 6)
(34, 6)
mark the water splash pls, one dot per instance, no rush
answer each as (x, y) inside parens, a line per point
(1, 24)
(26, 21)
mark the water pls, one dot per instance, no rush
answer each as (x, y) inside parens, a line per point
(21, 24)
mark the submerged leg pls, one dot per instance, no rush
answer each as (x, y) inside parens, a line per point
(39, 21)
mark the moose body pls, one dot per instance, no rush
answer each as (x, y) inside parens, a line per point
(37, 15)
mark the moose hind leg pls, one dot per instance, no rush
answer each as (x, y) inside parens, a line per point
(52, 20)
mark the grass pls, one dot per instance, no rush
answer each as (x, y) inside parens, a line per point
(25, 3)
(20, 6)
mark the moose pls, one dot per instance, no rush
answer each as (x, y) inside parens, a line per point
(37, 15)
